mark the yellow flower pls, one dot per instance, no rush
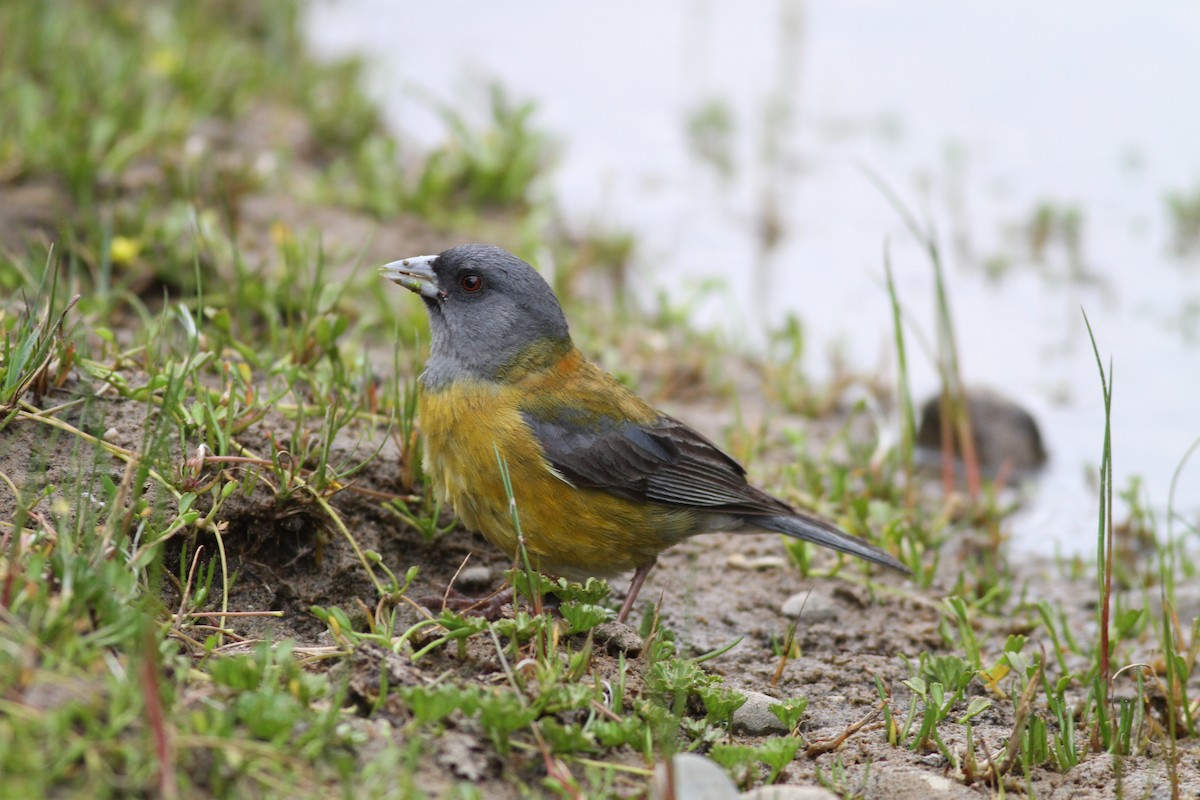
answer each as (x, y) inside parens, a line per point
(281, 234)
(164, 61)
(124, 250)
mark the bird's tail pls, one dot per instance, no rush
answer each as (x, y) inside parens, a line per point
(818, 531)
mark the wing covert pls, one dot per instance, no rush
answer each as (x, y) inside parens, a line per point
(663, 462)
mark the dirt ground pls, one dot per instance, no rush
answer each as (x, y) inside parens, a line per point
(713, 590)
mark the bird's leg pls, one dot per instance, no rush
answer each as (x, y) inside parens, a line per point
(635, 586)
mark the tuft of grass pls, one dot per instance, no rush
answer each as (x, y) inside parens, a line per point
(1104, 555)
(139, 78)
(1183, 212)
(908, 420)
(709, 128)
(493, 162)
(957, 435)
(1060, 224)
(34, 354)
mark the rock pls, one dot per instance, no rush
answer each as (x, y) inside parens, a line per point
(618, 638)
(789, 793)
(696, 778)
(1006, 435)
(754, 718)
(757, 564)
(812, 607)
(914, 783)
(463, 755)
(476, 577)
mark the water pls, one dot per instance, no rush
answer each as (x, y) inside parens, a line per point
(974, 113)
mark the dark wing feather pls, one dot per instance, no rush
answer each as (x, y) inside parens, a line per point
(663, 462)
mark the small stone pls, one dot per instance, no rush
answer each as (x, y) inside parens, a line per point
(756, 564)
(476, 577)
(618, 638)
(812, 607)
(914, 783)
(696, 778)
(463, 755)
(933, 759)
(789, 793)
(754, 718)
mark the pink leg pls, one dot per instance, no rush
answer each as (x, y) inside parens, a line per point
(635, 586)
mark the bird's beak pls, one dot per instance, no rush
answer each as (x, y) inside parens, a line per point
(414, 274)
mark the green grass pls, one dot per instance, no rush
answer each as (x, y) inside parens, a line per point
(192, 392)
(1183, 213)
(1074, 687)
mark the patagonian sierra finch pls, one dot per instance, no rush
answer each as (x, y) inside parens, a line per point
(603, 482)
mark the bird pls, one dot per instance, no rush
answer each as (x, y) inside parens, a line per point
(602, 481)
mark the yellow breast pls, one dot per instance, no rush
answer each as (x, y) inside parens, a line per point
(470, 425)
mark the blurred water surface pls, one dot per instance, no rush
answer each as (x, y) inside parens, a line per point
(731, 139)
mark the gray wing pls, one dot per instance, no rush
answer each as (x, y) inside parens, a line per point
(663, 462)
(667, 462)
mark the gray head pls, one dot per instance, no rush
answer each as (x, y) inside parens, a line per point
(489, 311)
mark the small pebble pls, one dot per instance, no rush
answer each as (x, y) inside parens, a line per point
(740, 561)
(789, 793)
(754, 718)
(476, 577)
(812, 607)
(696, 778)
(618, 638)
(915, 783)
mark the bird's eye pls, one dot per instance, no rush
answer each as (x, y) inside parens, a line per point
(471, 283)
